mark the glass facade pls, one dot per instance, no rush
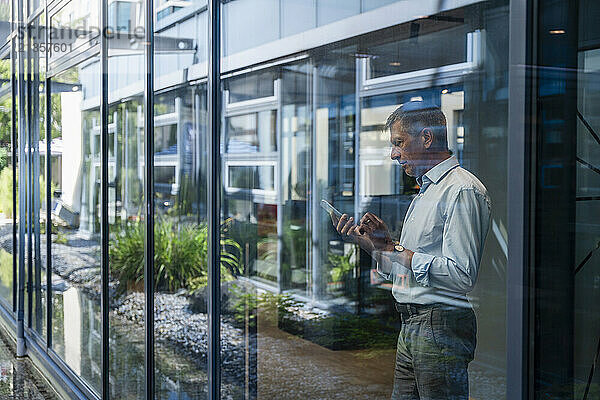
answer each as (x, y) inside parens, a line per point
(162, 233)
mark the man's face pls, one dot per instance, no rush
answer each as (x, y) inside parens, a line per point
(407, 150)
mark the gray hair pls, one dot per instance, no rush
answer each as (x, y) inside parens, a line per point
(414, 116)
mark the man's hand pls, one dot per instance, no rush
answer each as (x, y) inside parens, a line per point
(350, 231)
(377, 231)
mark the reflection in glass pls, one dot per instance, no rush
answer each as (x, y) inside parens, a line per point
(75, 227)
(38, 185)
(7, 213)
(587, 255)
(311, 306)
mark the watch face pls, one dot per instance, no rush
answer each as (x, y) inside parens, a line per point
(399, 248)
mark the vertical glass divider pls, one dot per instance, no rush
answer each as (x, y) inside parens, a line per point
(104, 256)
(29, 181)
(48, 198)
(14, 138)
(357, 183)
(213, 193)
(520, 86)
(316, 270)
(149, 199)
(279, 196)
(21, 349)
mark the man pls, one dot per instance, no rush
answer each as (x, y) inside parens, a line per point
(435, 263)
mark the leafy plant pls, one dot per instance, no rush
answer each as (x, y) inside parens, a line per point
(272, 306)
(6, 187)
(6, 268)
(341, 265)
(348, 331)
(180, 256)
(337, 331)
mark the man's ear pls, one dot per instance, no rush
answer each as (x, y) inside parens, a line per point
(427, 135)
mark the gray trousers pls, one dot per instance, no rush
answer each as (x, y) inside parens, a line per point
(434, 349)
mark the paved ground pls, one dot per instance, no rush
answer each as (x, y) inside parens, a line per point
(19, 380)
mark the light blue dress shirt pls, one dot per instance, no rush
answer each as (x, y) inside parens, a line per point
(445, 226)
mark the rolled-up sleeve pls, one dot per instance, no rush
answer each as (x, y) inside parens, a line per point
(464, 233)
(380, 269)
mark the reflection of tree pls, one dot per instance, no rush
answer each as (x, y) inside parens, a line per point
(5, 105)
(4, 10)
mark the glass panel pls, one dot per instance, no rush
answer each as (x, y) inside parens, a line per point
(38, 279)
(251, 133)
(427, 44)
(251, 177)
(5, 19)
(567, 203)
(334, 10)
(73, 25)
(127, 224)
(75, 188)
(309, 304)
(179, 195)
(7, 212)
(180, 244)
(371, 4)
(242, 33)
(250, 87)
(297, 16)
(587, 258)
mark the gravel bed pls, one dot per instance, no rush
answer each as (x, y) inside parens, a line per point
(77, 263)
(176, 325)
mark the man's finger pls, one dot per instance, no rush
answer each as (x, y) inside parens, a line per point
(378, 219)
(348, 226)
(341, 222)
(368, 217)
(355, 231)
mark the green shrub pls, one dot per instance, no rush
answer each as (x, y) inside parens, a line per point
(6, 187)
(4, 156)
(273, 307)
(180, 256)
(347, 332)
(336, 331)
(6, 268)
(341, 265)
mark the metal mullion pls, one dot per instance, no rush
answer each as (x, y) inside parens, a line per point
(14, 138)
(29, 185)
(35, 14)
(48, 215)
(21, 349)
(519, 192)
(149, 199)
(213, 198)
(104, 227)
(35, 185)
(48, 198)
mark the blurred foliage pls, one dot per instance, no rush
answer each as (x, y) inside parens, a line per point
(180, 256)
(272, 306)
(6, 268)
(4, 157)
(336, 331)
(341, 265)
(6, 187)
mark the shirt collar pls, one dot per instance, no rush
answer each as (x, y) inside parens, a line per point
(436, 173)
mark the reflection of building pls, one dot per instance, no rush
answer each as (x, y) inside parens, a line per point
(309, 125)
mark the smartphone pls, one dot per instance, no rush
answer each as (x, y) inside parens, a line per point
(330, 209)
